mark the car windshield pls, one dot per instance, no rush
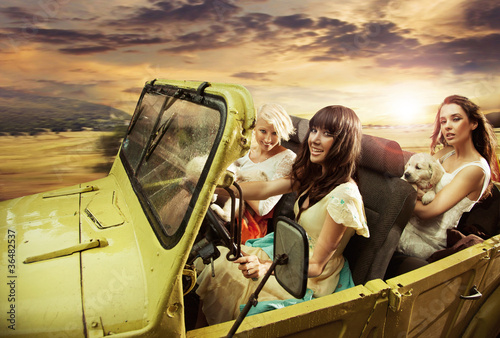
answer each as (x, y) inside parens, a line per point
(165, 151)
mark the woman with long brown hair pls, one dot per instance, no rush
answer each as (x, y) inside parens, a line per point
(467, 155)
(329, 207)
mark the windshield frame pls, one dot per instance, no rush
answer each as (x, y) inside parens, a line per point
(214, 102)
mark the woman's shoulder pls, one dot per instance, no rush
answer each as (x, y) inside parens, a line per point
(348, 190)
(443, 152)
(346, 207)
(243, 161)
(285, 152)
(286, 155)
(474, 169)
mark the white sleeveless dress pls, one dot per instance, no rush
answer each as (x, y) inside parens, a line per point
(421, 238)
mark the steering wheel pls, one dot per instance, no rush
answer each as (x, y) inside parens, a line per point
(219, 227)
(217, 233)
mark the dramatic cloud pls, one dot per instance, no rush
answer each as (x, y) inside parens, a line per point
(461, 55)
(255, 76)
(178, 12)
(366, 53)
(483, 14)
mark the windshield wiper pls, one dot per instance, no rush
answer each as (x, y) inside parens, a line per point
(162, 130)
(179, 93)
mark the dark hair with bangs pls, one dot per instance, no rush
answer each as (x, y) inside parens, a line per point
(340, 162)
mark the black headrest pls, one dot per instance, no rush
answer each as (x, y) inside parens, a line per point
(301, 127)
(379, 154)
(382, 155)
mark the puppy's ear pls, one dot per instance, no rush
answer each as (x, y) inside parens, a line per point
(437, 173)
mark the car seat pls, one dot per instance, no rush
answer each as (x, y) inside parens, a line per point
(389, 202)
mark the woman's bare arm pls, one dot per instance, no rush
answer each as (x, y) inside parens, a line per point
(253, 204)
(328, 241)
(467, 181)
(262, 190)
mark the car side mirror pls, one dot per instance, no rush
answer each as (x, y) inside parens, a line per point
(290, 264)
(291, 239)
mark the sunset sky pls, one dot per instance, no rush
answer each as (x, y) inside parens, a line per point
(391, 61)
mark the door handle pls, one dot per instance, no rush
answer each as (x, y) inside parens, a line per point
(93, 243)
(473, 294)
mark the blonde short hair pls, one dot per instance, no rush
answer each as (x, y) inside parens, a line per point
(277, 116)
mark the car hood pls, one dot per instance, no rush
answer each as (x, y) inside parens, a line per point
(43, 284)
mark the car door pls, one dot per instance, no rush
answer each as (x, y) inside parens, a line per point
(431, 301)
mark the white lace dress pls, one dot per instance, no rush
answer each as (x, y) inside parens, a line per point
(421, 238)
(278, 166)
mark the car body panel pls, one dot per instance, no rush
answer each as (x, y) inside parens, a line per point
(341, 314)
(485, 322)
(47, 292)
(429, 297)
(113, 277)
(423, 302)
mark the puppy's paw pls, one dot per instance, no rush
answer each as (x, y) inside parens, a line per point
(428, 197)
(420, 193)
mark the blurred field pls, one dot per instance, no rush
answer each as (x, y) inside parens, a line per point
(33, 164)
(415, 139)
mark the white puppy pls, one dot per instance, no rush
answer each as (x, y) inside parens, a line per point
(424, 172)
(224, 212)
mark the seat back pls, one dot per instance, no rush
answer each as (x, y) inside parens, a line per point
(284, 207)
(484, 218)
(389, 202)
(301, 127)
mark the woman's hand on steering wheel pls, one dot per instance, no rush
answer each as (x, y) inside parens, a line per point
(252, 267)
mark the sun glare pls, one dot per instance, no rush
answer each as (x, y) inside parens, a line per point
(404, 109)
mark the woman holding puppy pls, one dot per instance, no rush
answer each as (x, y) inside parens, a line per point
(468, 152)
(329, 207)
(268, 156)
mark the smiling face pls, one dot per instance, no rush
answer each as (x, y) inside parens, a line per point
(266, 136)
(320, 141)
(455, 125)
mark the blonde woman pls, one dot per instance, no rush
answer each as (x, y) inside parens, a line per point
(268, 156)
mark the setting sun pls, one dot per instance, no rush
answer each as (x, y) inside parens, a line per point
(405, 107)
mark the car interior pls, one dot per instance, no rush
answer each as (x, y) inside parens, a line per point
(389, 202)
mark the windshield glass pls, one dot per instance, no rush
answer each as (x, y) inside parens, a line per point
(166, 148)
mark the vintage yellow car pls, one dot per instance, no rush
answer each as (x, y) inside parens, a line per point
(114, 256)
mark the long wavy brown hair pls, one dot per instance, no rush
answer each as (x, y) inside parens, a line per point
(483, 137)
(340, 162)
